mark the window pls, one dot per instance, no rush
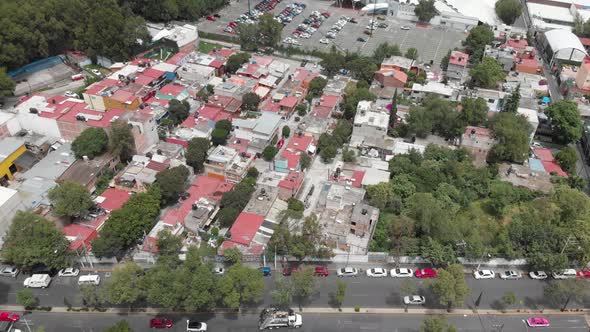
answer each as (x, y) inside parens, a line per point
(12, 169)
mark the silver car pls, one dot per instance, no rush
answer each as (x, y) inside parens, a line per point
(414, 299)
(9, 271)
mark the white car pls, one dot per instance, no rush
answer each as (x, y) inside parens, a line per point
(484, 274)
(71, 94)
(538, 275)
(565, 274)
(510, 275)
(194, 326)
(324, 41)
(218, 270)
(405, 27)
(347, 272)
(402, 273)
(414, 299)
(96, 72)
(9, 271)
(377, 272)
(69, 272)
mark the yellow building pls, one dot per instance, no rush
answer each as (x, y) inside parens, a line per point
(10, 149)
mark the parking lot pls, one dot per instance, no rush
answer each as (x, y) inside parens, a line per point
(432, 42)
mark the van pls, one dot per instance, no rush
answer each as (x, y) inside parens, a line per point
(91, 279)
(37, 281)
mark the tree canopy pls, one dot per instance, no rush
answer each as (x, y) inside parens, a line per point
(306, 242)
(6, 84)
(488, 73)
(512, 133)
(475, 43)
(70, 199)
(172, 183)
(508, 10)
(264, 33)
(164, 11)
(565, 121)
(384, 51)
(196, 153)
(91, 143)
(450, 286)
(235, 61)
(250, 101)
(121, 140)
(425, 10)
(178, 111)
(33, 240)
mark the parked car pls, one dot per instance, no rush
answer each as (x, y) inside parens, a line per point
(280, 143)
(538, 275)
(194, 326)
(69, 272)
(211, 18)
(71, 94)
(9, 271)
(510, 275)
(361, 39)
(414, 299)
(287, 271)
(347, 272)
(426, 273)
(584, 274)
(324, 41)
(484, 274)
(219, 270)
(96, 72)
(216, 15)
(228, 29)
(405, 27)
(401, 273)
(565, 274)
(9, 317)
(377, 272)
(353, 20)
(266, 271)
(538, 322)
(160, 323)
(321, 271)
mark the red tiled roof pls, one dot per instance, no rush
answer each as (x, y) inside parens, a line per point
(357, 178)
(292, 158)
(214, 113)
(113, 199)
(322, 111)
(222, 52)
(263, 61)
(245, 227)
(230, 104)
(551, 166)
(172, 89)
(192, 122)
(292, 181)
(79, 236)
(157, 166)
(459, 58)
(397, 74)
(544, 154)
(289, 101)
(518, 44)
(329, 100)
(142, 79)
(241, 147)
(104, 122)
(300, 143)
(124, 96)
(478, 131)
(151, 72)
(532, 63)
(304, 74)
(270, 106)
(216, 64)
(176, 58)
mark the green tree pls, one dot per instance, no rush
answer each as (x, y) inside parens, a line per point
(450, 286)
(168, 244)
(309, 241)
(282, 295)
(269, 153)
(511, 103)
(248, 36)
(26, 298)
(196, 153)
(235, 61)
(241, 285)
(172, 183)
(227, 216)
(219, 136)
(508, 10)
(121, 140)
(425, 10)
(565, 121)
(70, 199)
(412, 53)
(444, 62)
(33, 240)
(474, 111)
(380, 194)
(316, 86)
(250, 101)
(232, 256)
(557, 293)
(333, 62)
(301, 109)
(512, 133)
(269, 30)
(567, 158)
(120, 326)
(348, 155)
(286, 131)
(362, 68)
(7, 85)
(437, 324)
(203, 294)
(509, 298)
(478, 38)
(438, 254)
(178, 111)
(340, 294)
(488, 73)
(328, 153)
(90, 296)
(252, 172)
(91, 143)
(384, 51)
(165, 285)
(305, 161)
(122, 287)
(304, 285)
(392, 113)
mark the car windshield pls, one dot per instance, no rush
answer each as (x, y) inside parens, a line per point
(194, 325)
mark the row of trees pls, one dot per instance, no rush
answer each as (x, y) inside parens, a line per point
(438, 197)
(235, 200)
(328, 144)
(264, 33)
(189, 10)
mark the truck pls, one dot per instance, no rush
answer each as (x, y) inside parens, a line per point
(37, 281)
(271, 318)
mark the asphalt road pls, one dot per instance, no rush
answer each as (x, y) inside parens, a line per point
(362, 291)
(94, 322)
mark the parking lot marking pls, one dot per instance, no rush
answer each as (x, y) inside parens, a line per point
(404, 40)
(440, 40)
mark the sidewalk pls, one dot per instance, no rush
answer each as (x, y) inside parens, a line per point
(321, 310)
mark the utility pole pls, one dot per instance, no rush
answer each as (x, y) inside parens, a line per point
(249, 10)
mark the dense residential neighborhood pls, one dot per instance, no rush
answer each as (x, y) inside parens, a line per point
(239, 165)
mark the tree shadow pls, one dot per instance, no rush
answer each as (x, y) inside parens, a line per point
(394, 298)
(333, 302)
(498, 305)
(532, 303)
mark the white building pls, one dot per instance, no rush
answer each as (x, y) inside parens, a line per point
(562, 45)
(532, 117)
(369, 126)
(10, 203)
(263, 128)
(440, 89)
(195, 73)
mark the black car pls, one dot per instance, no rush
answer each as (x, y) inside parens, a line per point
(361, 39)
(216, 15)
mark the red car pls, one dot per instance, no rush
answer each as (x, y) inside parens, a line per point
(425, 273)
(160, 323)
(211, 18)
(315, 25)
(232, 24)
(281, 143)
(289, 270)
(321, 271)
(9, 317)
(326, 14)
(584, 274)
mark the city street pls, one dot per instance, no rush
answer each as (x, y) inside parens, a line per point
(362, 291)
(94, 322)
